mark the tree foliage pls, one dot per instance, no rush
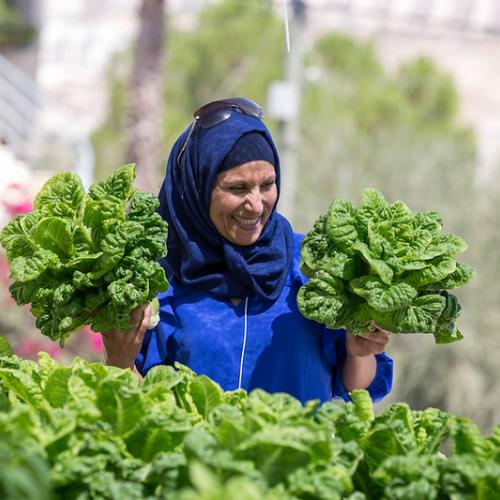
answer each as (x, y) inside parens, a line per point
(233, 51)
(362, 126)
(14, 30)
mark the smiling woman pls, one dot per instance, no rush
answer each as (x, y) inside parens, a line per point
(233, 264)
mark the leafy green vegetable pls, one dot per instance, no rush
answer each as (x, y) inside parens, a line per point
(385, 263)
(86, 258)
(5, 348)
(94, 431)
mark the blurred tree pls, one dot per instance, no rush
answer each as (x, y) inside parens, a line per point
(14, 30)
(232, 51)
(431, 93)
(144, 144)
(398, 133)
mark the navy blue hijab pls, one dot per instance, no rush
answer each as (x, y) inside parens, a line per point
(198, 255)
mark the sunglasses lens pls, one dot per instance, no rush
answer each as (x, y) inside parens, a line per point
(215, 114)
(247, 106)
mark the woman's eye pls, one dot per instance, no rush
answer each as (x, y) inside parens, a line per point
(268, 185)
(237, 189)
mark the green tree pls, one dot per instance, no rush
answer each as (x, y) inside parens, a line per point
(14, 30)
(398, 133)
(236, 49)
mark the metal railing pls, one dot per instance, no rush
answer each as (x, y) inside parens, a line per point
(38, 130)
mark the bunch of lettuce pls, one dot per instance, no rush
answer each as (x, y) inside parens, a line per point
(385, 263)
(86, 258)
(89, 431)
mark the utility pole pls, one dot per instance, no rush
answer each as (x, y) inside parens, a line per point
(284, 104)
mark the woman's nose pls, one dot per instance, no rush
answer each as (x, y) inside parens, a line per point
(254, 203)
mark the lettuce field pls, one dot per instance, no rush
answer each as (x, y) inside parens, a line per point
(92, 431)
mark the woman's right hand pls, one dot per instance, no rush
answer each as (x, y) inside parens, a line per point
(121, 348)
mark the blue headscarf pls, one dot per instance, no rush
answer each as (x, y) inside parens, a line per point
(198, 255)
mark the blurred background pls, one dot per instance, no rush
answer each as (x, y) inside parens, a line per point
(396, 95)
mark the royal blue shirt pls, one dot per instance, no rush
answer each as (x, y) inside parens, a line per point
(254, 344)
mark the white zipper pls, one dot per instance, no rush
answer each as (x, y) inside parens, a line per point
(242, 358)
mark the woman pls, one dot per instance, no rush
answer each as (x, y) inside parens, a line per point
(233, 266)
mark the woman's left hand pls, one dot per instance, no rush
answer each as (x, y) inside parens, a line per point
(369, 343)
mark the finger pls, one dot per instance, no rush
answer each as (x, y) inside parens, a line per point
(146, 318)
(377, 339)
(137, 316)
(376, 334)
(381, 339)
(364, 347)
(378, 328)
(380, 335)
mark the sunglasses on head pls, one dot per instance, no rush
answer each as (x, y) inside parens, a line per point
(216, 112)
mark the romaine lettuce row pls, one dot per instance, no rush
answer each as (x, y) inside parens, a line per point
(81, 259)
(385, 263)
(100, 433)
(467, 477)
(473, 469)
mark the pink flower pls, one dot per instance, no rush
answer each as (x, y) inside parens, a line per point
(18, 208)
(18, 202)
(94, 339)
(54, 351)
(29, 348)
(96, 343)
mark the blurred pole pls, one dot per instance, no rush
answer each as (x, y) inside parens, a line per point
(284, 104)
(145, 129)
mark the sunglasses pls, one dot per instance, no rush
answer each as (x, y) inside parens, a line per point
(216, 112)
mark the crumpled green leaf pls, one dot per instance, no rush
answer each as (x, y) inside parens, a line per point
(321, 300)
(383, 297)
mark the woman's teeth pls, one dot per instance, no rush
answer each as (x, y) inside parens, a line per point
(244, 221)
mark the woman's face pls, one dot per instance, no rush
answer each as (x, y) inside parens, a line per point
(242, 201)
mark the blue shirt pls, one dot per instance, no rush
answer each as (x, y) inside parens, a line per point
(254, 344)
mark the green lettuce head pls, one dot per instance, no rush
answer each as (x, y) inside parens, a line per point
(382, 262)
(86, 258)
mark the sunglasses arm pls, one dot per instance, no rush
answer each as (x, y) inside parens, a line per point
(185, 143)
